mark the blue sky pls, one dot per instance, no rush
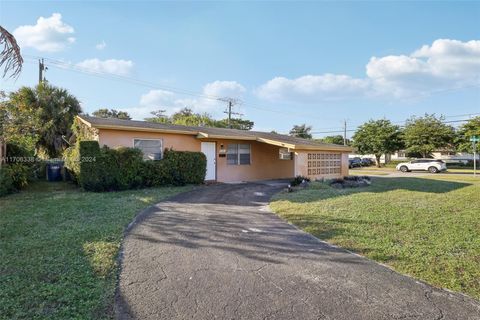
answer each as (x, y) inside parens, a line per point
(289, 62)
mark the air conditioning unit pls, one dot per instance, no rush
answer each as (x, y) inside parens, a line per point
(284, 154)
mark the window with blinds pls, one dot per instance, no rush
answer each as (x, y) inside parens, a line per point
(324, 163)
(151, 148)
(238, 154)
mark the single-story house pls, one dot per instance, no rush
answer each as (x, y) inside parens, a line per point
(232, 155)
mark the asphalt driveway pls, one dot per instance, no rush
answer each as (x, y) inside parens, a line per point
(218, 253)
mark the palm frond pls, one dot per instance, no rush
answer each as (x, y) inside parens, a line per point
(10, 58)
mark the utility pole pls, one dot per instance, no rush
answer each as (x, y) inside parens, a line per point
(231, 102)
(344, 132)
(474, 141)
(41, 71)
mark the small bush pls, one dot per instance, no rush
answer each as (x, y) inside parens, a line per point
(13, 177)
(350, 182)
(298, 180)
(356, 178)
(6, 181)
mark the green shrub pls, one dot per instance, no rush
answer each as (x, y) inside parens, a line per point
(129, 161)
(186, 167)
(156, 173)
(90, 166)
(6, 181)
(17, 150)
(40, 169)
(71, 158)
(104, 169)
(298, 180)
(20, 174)
(13, 177)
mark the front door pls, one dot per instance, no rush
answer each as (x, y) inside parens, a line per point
(209, 149)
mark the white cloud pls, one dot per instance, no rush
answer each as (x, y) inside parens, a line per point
(311, 87)
(443, 65)
(172, 102)
(100, 46)
(120, 67)
(48, 35)
(157, 98)
(223, 89)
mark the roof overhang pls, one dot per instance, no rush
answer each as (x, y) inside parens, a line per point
(204, 135)
(133, 128)
(278, 143)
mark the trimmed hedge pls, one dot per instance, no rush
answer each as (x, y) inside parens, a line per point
(104, 169)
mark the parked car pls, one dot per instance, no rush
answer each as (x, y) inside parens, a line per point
(354, 162)
(430, 165)
(367, 162)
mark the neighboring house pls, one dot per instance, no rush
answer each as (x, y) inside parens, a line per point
(232, 155)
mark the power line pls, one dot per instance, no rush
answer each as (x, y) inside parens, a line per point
(353, 130)
(112, 76)
(326, 130)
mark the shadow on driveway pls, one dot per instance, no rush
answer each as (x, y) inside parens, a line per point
(218, 253)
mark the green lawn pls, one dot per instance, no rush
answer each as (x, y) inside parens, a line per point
(426, 227)
(58, 249)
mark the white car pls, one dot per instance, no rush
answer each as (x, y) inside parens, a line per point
(430, 165)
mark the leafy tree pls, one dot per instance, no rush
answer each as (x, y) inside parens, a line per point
(235, 123)
(187, 117)
(465, 132)
(377, 137)
(337, 139)
(158, 116)
(112, 113)
(40, 116)
(301, 131)
(426, 134)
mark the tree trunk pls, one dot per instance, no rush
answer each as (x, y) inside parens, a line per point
(377, 158)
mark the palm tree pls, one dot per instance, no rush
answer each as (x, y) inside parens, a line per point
(301, 131)
(10, 59)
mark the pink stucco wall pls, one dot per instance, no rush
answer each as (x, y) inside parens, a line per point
(265, 162)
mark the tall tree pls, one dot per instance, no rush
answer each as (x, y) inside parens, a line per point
(42, 115)
(235, 123)
(337, 139)
(158, 116)
(377, 137)
(426, 134)
(301, 131)
(112, 113)
(465, 132)
(187, 117)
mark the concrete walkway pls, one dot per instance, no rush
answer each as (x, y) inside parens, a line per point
(217, 253)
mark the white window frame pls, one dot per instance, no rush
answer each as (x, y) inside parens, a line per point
(161, 147)
(238, 154)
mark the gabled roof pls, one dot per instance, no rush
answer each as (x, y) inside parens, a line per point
(211, 133)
